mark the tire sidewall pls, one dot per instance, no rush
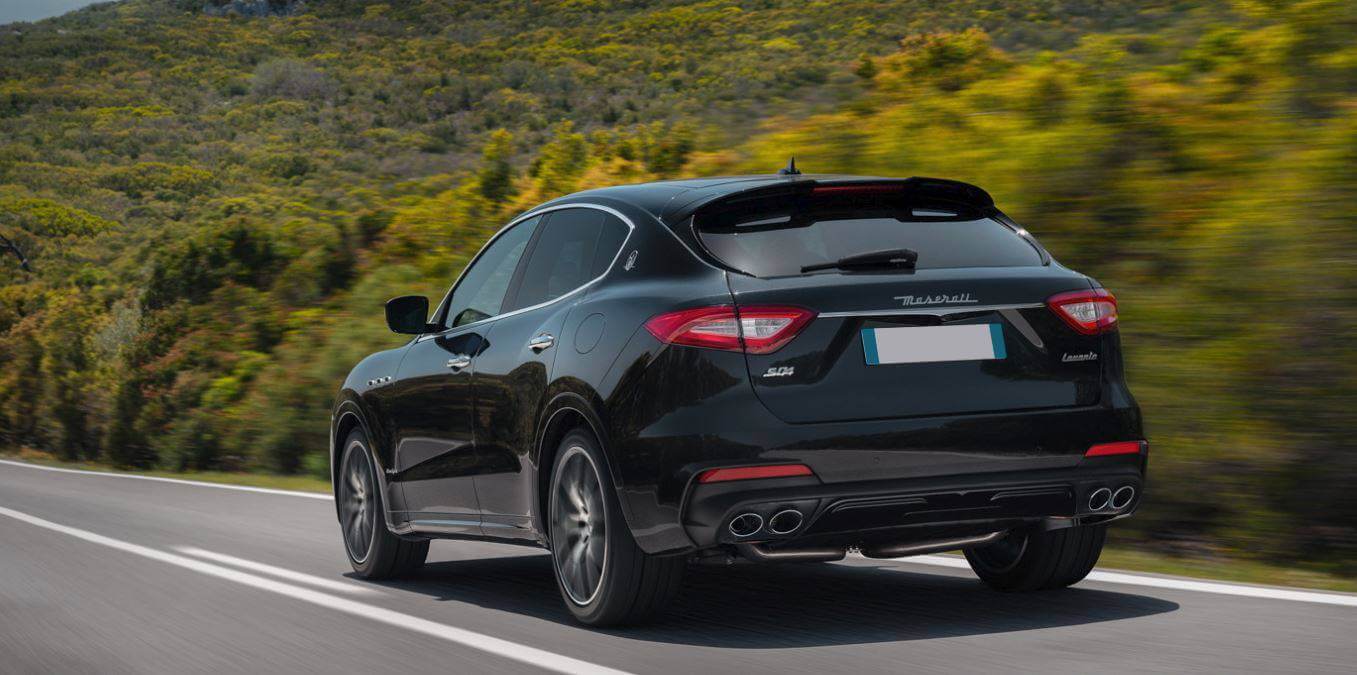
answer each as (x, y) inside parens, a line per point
(617, 536)
(1049, 559)
(357, 442)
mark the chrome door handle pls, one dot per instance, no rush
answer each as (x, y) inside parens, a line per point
(459, 362)
(541, 342)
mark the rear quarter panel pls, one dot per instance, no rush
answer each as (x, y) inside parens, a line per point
(605, 346)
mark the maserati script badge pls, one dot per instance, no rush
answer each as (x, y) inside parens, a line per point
(916, 300)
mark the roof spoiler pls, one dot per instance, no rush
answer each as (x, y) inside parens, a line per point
(952, 191)
(922, 188)
(940, 189)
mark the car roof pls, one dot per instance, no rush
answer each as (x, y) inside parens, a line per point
(671, 201)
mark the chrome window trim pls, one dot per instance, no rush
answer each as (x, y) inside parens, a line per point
(1026, 236)
(631, 229)
(929, 311)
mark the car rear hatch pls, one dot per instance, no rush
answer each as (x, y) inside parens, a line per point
(964, 329)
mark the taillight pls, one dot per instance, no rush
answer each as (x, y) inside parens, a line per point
(757, 329)
(1090, 312)
(1118, 448)
(754, 472)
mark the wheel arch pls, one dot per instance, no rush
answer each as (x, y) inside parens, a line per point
(565, 412)
(348, 415)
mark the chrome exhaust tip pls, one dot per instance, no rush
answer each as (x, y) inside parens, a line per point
(1099, 499)
(1122, 497)
(746, 524)
(785, 522)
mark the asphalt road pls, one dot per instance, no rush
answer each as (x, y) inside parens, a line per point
(103, 574)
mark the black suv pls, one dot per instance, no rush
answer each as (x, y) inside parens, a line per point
(762, 368)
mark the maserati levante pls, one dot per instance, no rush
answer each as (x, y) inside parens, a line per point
(758, 369)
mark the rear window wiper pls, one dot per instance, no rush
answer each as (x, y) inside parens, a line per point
(896, 258)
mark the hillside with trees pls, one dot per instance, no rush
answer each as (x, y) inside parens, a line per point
(215, 205)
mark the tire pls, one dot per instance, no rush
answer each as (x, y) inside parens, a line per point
(1035, 560)
(373, 551)
(604, 578)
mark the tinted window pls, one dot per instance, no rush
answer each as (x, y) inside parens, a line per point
(480, 293)
(609, 243)
(777, 237)
(574, 247)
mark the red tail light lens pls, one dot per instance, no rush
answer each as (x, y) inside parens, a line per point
(756, 330)
(1119, 448)
(754, 472)
(1089, 312)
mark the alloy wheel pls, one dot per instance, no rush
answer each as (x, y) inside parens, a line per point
(357, 504)
(579, 526)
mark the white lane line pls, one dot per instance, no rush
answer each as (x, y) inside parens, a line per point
(180, 481)
(935, 560)
(492, 645)
(280, 572)
(1175, 583)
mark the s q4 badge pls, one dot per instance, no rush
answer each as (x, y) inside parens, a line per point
(782, 371)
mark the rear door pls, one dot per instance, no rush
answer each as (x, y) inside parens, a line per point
(573, 247)
(965, 330)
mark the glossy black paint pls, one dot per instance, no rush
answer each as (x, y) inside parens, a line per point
(463, 451)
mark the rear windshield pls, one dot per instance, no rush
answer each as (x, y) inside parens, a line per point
(777, 236)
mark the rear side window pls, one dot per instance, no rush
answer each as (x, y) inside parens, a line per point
(574, 247)
(610, 242)
(778, 236)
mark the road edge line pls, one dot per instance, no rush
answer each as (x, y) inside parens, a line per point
(179, 481)
(1175, 583)
(276, 571)
(485, 643)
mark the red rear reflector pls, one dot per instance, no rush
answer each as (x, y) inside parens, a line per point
(754, 472)
(756, 329)
(877, 188)
(1120, 448)
(1089, 312)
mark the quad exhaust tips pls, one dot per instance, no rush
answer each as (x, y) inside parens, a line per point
(746, 524)
(1122, 497)
(1105, 499)
(785, 522)
(1099, 499)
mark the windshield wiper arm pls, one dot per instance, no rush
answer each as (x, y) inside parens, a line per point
(894, 258)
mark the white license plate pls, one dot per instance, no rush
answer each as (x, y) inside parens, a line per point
(931, 344)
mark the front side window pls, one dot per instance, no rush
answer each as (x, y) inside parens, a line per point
(574, 247)
(480, 293)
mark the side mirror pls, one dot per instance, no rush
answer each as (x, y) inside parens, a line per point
(408, 314)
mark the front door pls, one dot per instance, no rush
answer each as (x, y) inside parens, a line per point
(433, 400)
(431, 406)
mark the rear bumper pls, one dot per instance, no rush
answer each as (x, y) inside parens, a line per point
(668, 512)
(683, 411)
(867, 513)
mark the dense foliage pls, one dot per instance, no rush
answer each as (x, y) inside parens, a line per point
(215, 206)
